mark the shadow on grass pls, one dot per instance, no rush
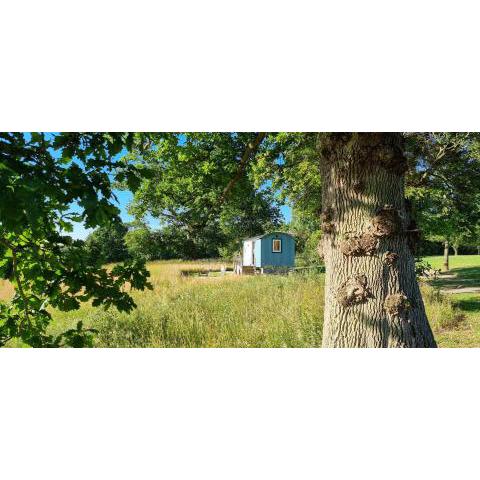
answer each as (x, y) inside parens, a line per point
(464, 277)
(469, 304)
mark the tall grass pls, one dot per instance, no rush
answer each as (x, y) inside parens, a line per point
(220, 312)
(441, 310)
(237, 311)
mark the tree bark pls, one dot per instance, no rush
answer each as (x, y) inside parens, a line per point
(446, 250)
(455, 249)
(372, 297)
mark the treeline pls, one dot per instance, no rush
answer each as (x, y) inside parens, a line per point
(429, 247)
(119, 242)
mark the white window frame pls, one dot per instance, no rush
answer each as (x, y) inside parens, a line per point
(280, 245)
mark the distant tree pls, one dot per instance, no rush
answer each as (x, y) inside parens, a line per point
(305, 226)
(473, 238)
(107, 243)
(141, 242)
(168, 242)
(251, 214)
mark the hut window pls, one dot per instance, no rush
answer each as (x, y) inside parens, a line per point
(277, 246)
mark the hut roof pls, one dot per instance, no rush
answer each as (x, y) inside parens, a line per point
(266, 234)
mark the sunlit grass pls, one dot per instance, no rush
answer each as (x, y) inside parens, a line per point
(229, 311)
(455, 261)
(244, 311)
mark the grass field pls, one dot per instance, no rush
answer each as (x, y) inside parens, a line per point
(464, 273)
(261, 311)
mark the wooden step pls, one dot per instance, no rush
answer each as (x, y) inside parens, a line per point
(248, 270)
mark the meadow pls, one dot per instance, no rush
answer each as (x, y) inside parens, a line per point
(253, 311)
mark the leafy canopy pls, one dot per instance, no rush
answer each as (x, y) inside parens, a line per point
(444, 183)
(200, 176)
(107, 243)
(204, 186)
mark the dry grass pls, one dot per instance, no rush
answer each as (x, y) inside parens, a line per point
(228, 311)
(6, 290)
(236, 311)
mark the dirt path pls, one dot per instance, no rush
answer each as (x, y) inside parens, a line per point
(461, 290)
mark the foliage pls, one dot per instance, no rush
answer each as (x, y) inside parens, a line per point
(166, 243)
(444, 184)
(308, 252)
(107, 243)
(41, 177)
(473, 238)
(203, 187)
(291, 163)
(142, 242)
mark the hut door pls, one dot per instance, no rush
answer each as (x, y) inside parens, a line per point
(253, 253)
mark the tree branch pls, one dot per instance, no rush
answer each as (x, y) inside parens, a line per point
(250, 150)
(19, 282)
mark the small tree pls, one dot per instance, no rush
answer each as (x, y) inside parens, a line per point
(107, 243)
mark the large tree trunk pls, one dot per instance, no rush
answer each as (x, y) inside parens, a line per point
(446, 251)
(372, 298)
(455, 249)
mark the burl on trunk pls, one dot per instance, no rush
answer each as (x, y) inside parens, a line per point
(372, 298)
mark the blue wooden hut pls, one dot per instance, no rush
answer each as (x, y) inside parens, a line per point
(271, 250)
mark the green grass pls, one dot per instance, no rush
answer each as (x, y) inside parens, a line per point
(466, 271)
(459, 261)
(230, 311)
(260, 311)
(465, 268)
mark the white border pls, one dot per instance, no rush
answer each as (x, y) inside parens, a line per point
(224, 66)
(236, 414)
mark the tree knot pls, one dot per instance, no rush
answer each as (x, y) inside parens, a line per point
(397, 303)
(392, 159)
(390, 258)
(386, 222)
(358, 186)
(354, 291)
(360, 245)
